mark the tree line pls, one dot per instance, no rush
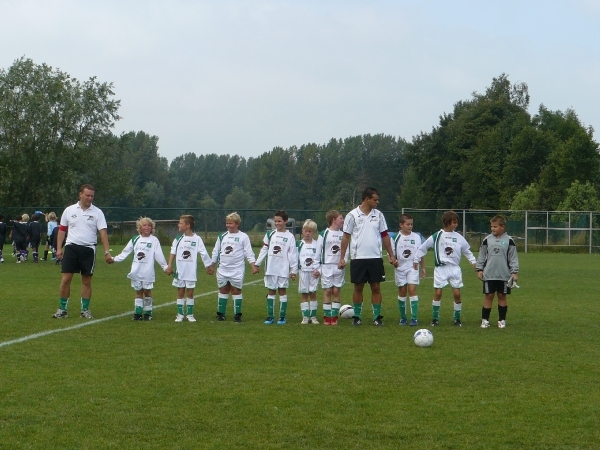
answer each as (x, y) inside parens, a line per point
(488, 153)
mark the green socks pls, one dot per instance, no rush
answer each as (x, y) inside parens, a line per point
(402, 307)
(85, 304)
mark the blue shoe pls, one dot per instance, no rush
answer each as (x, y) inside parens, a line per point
(269, 321)
(414, 322)
(281, 321)
(403, 322)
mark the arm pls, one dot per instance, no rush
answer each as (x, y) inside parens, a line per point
(481, 259)
(125, 253)
(249, 254)
(513, 260)
(104, 240)
(293, 258)
(206, 259)
(422, 251)
(387, 243)
(159, 257)
(344, 248)
(59, 241)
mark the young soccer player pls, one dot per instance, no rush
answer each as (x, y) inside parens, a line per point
(185, 251)
(497, 263)
(448, 247)
(2, 236)
(332, 277)
(231, 248)
(279, 251)
(35, 236)
(146, 249)
(19, 233)
(405, 245)
(309, 264)
(52, 224)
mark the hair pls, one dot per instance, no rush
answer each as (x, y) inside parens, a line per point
(52, 217)
(25, 218)
(35, 217)
(189, 219)
(405, 217)
(330, 216)
(499, 220)
(19, 217)
(143, 221)
(1, 217)
(283, 214)
(89, 187)
(369, 192)
(309, 225)
(448, 217)
(233, 217)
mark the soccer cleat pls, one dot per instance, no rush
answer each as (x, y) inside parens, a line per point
(190, 318)
(414, 322)
(60, 314)
(1, 260)
(435, 323)
(220, 317)
(356, 321)
(457, 323)
(334, 320)
(147, 317)
(326, 320)
(378, 322)
(485, 323)
(403, 322)
(137, 317)
(305, 321)
(314, 321)
(281, 321)
(179, 318)
(269, 321)
(42, 259)
(237, 318)
(86, 314)
(502, 324)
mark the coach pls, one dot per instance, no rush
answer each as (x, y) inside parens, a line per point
(81, 223)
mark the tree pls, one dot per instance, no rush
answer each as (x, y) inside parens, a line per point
(580, 197)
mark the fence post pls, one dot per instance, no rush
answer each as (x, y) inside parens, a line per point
(526, 229)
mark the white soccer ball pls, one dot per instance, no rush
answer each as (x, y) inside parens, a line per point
(423, 338)
(346, 312)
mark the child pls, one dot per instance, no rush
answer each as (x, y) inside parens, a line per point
(279, 250)
(146, 249)
(332, 277)
(2, 236)
(35, 235)
(406, 243)
(52, 224)
(309, 263)
(185, 250)
(496, 264)
(230, 250)
(19, 234)
(448, 246)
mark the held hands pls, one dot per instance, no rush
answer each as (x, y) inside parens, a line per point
(316, 273)
(342, 264)
(210, 270)
(255, 269)
(108, 258)
(169, 271)
(293, 276)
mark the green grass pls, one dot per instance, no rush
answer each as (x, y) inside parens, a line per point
(213, 385)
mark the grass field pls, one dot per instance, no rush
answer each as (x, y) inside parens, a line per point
(114, 383)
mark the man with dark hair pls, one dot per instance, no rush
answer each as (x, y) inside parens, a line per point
(365, 229)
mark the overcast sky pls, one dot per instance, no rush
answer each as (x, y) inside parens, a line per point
(242, 77)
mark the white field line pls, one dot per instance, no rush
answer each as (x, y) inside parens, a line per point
(95, 321)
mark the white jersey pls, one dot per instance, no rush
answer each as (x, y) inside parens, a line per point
(230, 251)
(365, 231)
(448, 246)
(186, 249)
(279, 250)
(405, 248)
(83, 226)
(309, 255)
(331, 246)
(145, 251)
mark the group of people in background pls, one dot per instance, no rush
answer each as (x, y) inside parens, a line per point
(27, 234)
(358, 238)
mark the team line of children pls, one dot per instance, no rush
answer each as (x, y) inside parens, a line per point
(318, 256)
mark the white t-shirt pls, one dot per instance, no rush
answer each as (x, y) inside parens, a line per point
(365, 231)
(309, 255)
(145, 251)
(279, 250)
(405, 248)
(230, 251)
(83, 226)
(331, 246)
(451, 246)
(186, 249)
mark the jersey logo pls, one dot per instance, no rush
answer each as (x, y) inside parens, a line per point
(406, 253)
(276, 249)
(74, 216)
(236, 240)
(412, 241)
(149, 245)
(496, 250)
(193, 244)
(284, 239)
(90, 218)
(186, 254)
(335, 249)
(308, 262)
(140, 256)
(449, 250)
(453, 239)
(228, 249)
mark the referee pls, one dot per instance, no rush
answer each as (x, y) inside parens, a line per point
(81, 223)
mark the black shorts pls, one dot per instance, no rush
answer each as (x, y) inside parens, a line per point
(493, 286)
(78, 259)
(367, 271)
(20, 245)
(34, 243)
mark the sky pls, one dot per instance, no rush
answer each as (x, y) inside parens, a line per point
(242, 77)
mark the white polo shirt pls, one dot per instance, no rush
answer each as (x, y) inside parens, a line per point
(365, 231)
(83, 226)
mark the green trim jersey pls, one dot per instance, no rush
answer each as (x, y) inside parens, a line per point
(230, 251)
(186, 250)
(309, 255)
(145, 251)
(331, 246)
(405, 247)
(448, 247)
(280, 253)
(498, 257)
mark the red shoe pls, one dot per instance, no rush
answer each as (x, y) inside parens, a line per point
(333, 320)
(326, 320)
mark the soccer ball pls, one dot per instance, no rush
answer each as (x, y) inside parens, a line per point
(346, 312)
(423, 338)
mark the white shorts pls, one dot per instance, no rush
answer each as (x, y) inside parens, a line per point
(406, 276)
(306, 282)
(235, 281)
(184, 284)
(442, 275)
(139, 285)
(331, 276)
(273, 282)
